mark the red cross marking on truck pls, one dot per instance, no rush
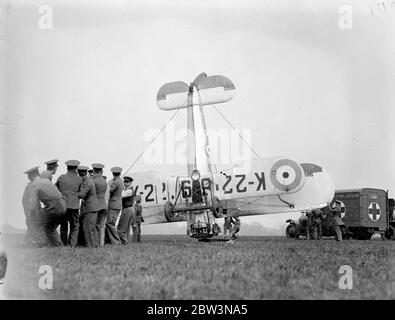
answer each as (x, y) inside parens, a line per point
(374, 211)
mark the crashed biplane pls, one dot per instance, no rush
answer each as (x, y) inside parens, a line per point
(270, 185)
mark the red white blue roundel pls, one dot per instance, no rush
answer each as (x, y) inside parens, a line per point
(374, 211)
(286, 175)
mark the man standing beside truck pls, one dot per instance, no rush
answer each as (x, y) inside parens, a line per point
(337, 220)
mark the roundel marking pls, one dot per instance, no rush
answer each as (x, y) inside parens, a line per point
(374, 211)
(285, 175)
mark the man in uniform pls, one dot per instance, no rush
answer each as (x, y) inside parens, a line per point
(337, 221)
(303, 220)
(317, 224)
(309, 225)
(114, 205)
(235, 229)
(137, 219)
(69, 185)
(227, 226)
(31, 207)
(101, 188)
(125, 219)
(54, 207)
(89, 208)
(52, 165)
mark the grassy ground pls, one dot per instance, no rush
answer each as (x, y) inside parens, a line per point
(177, 267)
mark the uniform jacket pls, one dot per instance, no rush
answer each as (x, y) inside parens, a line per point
(88, 196)
(337, 220)
(317, 215)
(115, 194)
(137, 214)
(49, 195)
(69, 185)
(30, 202)
(101, 188)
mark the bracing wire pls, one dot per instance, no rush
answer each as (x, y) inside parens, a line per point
(241, 137)
(152, 141)
(206, 149)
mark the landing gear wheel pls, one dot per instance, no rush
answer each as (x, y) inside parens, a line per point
(168, 211)
(216, 207)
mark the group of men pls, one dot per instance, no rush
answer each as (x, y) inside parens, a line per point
(314, 219)
(83, 204)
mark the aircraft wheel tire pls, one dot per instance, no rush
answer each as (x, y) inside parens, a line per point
(216, 207)
(168, 211)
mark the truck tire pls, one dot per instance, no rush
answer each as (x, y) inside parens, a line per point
(389, 234)
(291, 231)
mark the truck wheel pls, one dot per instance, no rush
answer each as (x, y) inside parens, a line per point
(291, 232)
(389, 234)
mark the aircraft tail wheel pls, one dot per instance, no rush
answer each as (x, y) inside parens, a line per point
(168, 211)
(216, 207)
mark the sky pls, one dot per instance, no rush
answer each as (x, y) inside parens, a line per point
(305, 87)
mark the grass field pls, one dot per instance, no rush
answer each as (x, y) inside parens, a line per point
(177, 267)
